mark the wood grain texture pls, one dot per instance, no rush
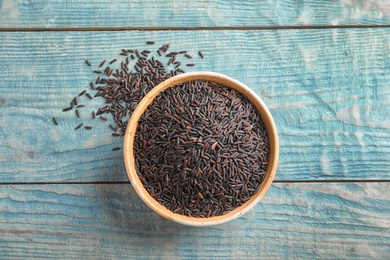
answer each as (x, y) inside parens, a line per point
(327, 90)
(214, 13)
(327, 221)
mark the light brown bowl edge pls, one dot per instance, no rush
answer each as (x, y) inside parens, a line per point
(228, 82)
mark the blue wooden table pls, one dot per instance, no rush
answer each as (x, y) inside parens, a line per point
(322, 67)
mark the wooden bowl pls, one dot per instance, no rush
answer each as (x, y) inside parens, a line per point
(130, 159)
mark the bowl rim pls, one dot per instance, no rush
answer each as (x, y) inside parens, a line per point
(227, 81)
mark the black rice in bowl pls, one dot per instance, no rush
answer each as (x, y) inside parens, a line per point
(201, 149)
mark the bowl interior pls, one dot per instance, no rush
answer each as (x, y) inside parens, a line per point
(130, 158)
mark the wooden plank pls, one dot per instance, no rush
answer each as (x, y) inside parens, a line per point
(318, 220)
(157, 14)
(327, 90)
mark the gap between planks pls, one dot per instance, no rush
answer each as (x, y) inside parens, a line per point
(221, 28)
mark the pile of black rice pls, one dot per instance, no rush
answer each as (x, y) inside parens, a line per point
(123, 87)
(201, 149)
